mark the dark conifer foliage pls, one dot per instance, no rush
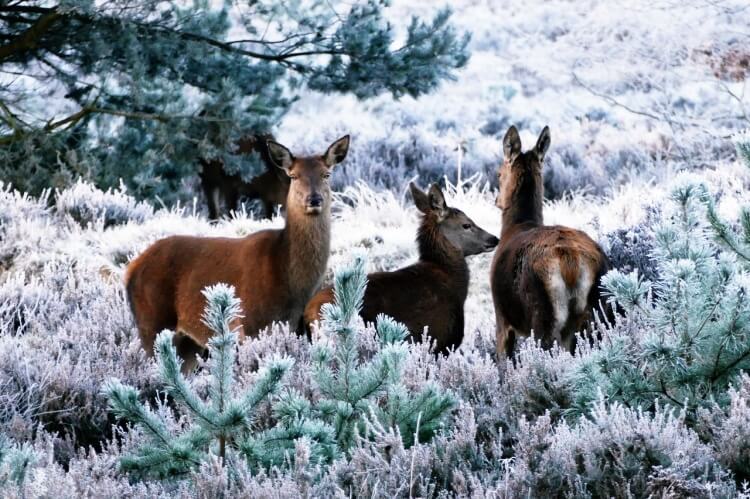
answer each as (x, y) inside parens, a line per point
(139, 90)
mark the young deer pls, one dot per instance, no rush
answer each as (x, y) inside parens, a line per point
(431, 292)
(543, 278)
(270, 187)
(275, 272)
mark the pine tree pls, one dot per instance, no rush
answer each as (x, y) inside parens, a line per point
(15, 461)
(142, 89)
(220, 423)
(354, 388)
(686, 336)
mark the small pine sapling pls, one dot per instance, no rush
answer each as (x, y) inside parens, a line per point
(15, 461)
(219, 423)
(686, 337)
(296, 423)
(354, 388)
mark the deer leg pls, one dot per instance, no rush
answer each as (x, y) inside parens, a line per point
(212, 199)
(187, 349)
(505, 338)
(268, 209)
(232, 199)
(545, 329)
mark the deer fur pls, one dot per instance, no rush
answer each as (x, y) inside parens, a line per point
(429, 295)
(274, 272)
(543, 278)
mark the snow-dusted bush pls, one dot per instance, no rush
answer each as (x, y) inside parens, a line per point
(86, 205)
(631, 250)
(618, 452)
(23, 220)
(727, 427)
(62, 333)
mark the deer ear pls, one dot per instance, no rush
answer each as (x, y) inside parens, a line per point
(421, 200)
(280, 155)
(437, 201)
(511, 144)
(542, 143)
(337, 151)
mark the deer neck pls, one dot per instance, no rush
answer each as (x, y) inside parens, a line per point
(306, 246)
(525, 206)
(436, 249)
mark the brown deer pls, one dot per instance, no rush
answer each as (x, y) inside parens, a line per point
(270, 187)
(274, 272)
(544, 278)
(430, 293)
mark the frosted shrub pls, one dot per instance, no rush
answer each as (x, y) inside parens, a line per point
(618, 452)
(69, 331)
(550, 424)
(17, 205)
(630, 250)
(390, 160)
(86, 205)
(537, 384)
(24, 224)
(727, 426)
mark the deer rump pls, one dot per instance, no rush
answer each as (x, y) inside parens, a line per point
(547, 279)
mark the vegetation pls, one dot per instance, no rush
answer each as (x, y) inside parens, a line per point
(357, 396)
(141, 90)
(655, 404)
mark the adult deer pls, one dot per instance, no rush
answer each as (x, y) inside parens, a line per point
(270, 187)
(544, 278)
(430, 293)
(275, 272)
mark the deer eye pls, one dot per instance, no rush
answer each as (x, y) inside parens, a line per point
(466, 226)
(326, 175)
(293, 177)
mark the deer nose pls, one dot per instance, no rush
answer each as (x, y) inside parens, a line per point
(491, 242)
(314, 200)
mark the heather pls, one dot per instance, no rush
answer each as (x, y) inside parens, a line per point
(646, 106)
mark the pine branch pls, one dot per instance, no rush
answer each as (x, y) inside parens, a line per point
(123, 401)
(29, 39)
(723, 232)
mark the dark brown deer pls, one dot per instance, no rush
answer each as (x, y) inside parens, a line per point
(220, 188)
(430, 293)
(544, 278)
(274, 272)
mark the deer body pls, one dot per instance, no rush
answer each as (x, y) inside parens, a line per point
(429, 294)
(270, 187)
(274, 272)
(543, 278)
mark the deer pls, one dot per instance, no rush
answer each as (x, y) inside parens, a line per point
(274, 272)
(544, 278)
(270, 187)
(429, 294)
